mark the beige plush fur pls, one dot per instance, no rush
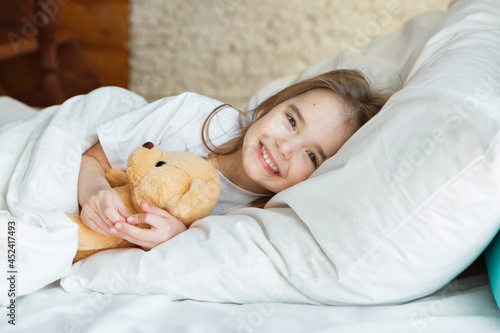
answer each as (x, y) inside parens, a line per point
(184, 184)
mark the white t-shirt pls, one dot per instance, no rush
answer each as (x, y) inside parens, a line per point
(175, 124)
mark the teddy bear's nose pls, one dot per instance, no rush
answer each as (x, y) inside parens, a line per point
(148, 145)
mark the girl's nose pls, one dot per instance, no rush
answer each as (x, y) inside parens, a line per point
(287, 146)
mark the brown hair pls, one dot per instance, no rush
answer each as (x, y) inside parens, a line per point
(360, 102)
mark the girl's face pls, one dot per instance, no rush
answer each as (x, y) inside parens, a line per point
(285, 146)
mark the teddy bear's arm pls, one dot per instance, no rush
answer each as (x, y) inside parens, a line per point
(116, 177)
(189, 200)
(193, 205)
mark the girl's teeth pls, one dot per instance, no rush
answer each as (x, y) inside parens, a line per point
(268, 160)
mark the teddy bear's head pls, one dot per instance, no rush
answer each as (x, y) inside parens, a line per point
(184, 184)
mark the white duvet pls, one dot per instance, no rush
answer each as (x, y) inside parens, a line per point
(40, 155)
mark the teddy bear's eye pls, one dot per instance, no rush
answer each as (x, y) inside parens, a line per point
(159, 164)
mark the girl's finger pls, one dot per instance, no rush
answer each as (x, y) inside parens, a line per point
(122, 210)
(92, 220)
(132, 234)
(146, 208)
(110, 213)
(162, 229)
(151, 219)
(135, 219)
(103, 221)
(99, 214)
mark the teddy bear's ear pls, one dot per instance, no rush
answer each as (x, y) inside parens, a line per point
(213, 161)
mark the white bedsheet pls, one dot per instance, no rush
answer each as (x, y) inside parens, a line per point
(464, 305)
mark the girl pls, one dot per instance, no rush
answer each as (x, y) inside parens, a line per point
(283, 141)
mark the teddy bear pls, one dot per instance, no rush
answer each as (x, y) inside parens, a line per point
(182, 183)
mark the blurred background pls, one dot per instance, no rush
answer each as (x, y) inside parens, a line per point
(51, 50)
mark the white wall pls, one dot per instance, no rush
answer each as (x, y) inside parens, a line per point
(227, 49)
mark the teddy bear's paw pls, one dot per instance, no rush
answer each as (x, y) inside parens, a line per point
(116, 177)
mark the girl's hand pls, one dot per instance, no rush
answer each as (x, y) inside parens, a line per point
(163, 227)
(102, 210)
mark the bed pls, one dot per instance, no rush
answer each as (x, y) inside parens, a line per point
(374, 241)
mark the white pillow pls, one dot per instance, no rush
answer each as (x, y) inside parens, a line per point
(404, 206)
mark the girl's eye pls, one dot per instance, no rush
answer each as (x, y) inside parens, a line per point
(291, 121)
(313, 158)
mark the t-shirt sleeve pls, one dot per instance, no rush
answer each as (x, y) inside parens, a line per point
(173, 123)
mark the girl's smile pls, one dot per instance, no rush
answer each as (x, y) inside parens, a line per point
(267, 161)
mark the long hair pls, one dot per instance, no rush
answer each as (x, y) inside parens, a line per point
(359, 100)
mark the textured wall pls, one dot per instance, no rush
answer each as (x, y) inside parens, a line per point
(227, 49)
